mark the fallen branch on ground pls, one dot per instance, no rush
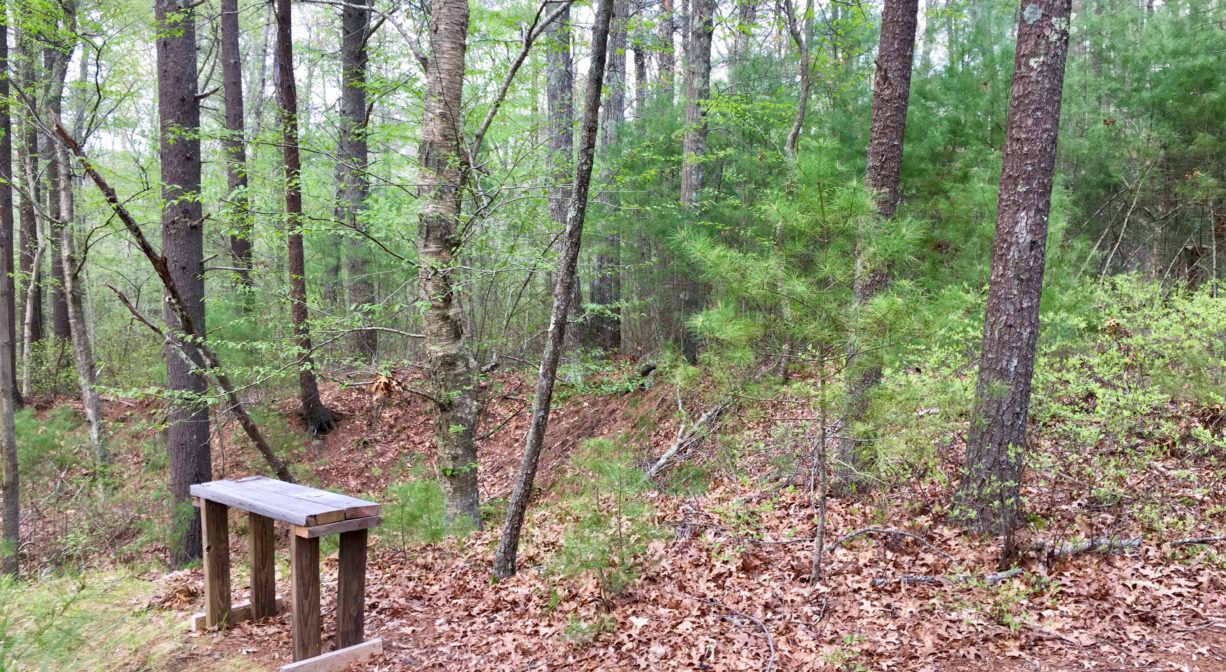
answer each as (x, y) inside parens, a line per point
(921, 579)
(1092, 545)
(887, 532)
(692, 436)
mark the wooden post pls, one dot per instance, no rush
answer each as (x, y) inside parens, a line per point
(214, 519)
(351, 589)
(263, 566)
(304, 561)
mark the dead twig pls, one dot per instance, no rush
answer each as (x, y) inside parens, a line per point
(888, 532)
(770, 641)
(922, 579)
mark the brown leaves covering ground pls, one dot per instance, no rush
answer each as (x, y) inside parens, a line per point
(727, 587)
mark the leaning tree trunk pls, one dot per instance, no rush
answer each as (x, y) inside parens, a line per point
(563, 293)
(317, 417)
(451, 367)
(10, 539)
(352, 161)
(891, 91)
(183, 246)
(989, 495)
(235, 145)
(83, 354)
(604, 324)
(694, 149)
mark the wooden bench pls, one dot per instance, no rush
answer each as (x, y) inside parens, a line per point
(311, 514)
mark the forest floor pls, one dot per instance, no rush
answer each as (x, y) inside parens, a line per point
(723, 583)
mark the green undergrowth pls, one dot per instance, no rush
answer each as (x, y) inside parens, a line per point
(90, 621)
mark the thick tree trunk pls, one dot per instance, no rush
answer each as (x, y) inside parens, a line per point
(563, 293)
(694, 149)
(183, 247)
(604, 324)
(83, 354)
(891, 92)
(353, 184)
(55, 67)
(560, 103)
(988, 498)
(32, 302)
(238, 214)
(666, 58)
(10, 539)
(450, 365)
(317, 417)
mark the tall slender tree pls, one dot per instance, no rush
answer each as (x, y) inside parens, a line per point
(891, 93)
(665, 57)
(989, 495)
(694, 147)
(560, 126)
(604, 326)
(563, 292)
(183, 247)
(315, 415)
(57, 56)
(235, 145)
(10, 483)
(451, 367)
(83, 354)
(28, 67)
(353, 183)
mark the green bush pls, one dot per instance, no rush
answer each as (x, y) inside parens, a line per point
(609, 522)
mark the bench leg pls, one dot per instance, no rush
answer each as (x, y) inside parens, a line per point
(263, 566)
(304, 560)
(214, 521)
(351, 589)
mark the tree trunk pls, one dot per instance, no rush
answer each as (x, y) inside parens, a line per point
(747, 16)
(560, 102)
(82, 353)
(666, 58)
(10, 540)
(183, 247)
(32, 303)
(352, 159)
(694, 149)
(604, 324)
(234, 143)
(563, 292)
(317, 417)
(450, 365)
(891, 92)
(801, 28)
(55, 67)
(988, 498)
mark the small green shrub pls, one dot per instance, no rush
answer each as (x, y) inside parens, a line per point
(610, 523)
(415, 514)
(53, 441)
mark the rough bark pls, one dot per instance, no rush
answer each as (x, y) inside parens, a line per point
(27, 164)
(238, 214)
(56, 60)
(183, 248)
(450, 365)
(604, 323)
(988, 498)
(563, 293)
(694, 149)
(10, 483)
(83, 355)
(746, 15)
(665, 58)
(891, 92)
(801, 30)
(317, 417)
(352, 161)
(560, 105)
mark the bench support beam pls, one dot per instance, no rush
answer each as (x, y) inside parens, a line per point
(263, 566)
(304, 562)
(351, 589)
(215, 524)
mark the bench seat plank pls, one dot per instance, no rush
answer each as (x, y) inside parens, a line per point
(286, 509)
(352, 506)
